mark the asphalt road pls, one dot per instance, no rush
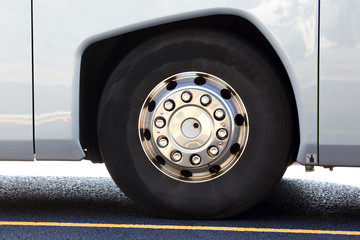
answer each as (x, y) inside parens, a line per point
(294, 204)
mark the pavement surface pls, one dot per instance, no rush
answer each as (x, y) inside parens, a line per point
(84, 207)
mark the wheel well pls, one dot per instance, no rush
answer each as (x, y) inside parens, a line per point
(100, 58)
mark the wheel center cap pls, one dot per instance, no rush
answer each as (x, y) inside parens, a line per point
(191, 128)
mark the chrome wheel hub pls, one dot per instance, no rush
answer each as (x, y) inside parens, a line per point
(193, 127)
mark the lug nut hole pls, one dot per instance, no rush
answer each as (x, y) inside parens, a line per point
(186, 173)
(151, 106)
(226, 94)
(171, 85)
(147, 134)
(160, 160)
(235, 148)
(214, 169)
(200, 80)
(239, 120)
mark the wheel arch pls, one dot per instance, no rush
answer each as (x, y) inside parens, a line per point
(101, 57)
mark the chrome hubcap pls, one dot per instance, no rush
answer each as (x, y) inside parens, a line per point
(188, 127)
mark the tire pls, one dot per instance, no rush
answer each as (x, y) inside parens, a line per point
(258, 148)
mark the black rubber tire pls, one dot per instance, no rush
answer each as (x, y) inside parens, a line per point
(242, 66)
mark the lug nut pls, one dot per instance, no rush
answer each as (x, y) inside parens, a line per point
(162, 141)
(222, 134)
(176, 156)
(160, 122)
(195, 160)
(219, 114)
(205, 100)
(213, 151)
(186, 96)
(169, 105)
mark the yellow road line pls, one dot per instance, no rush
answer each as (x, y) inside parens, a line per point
(178, 227)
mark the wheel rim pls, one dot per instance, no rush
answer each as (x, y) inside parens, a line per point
(193, 127)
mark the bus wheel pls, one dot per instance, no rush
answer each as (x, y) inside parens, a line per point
(196, 124)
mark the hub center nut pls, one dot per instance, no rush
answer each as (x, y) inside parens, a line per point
(213, 151)
(219, 114)
(162, 141)
(169, 105)
(191, 128)
(222, 134)
(205, 100)
(195, 160)
(186, 96)
(176, 156)
(160, 122)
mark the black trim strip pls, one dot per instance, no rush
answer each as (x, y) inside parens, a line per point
(32, 75)
(318, 86)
